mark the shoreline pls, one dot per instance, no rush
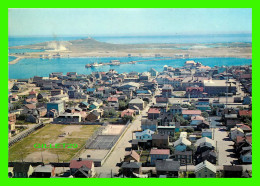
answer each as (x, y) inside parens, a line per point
(18, 58)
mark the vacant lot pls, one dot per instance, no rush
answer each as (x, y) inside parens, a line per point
(75, 134)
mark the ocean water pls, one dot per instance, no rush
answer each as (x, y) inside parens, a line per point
(179, 39)
(27, 68)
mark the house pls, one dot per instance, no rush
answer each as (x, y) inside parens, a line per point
(219, 87)
(84, 104)
(149, 124)
(81, 168)
(112, 99)
(160, 140)
(246, 154)
(128, 112)
(90, 90)
(189, 113)
(136, 102)
(132, 156)
(181, 144)
(22, 170)
(207, 133)
(245, 128)
(175, 109)
(57, 105)
(12, 98)
(205, 170)
(128, 168)
(167, 167)
(246, 113)
(43, 171)
(93, 106)
(169, 130)
(56, 92)
(234, 132)
(204, 144)
(184, 157)
(42, 95)
(232, 171)
(144, 135)
(153, 113)
(209, 155)
(93, 116)
(161, 100)
(203, 125)
(167, 91)
(195, 120)
(159, 154)
(194, 92)
(165, 119)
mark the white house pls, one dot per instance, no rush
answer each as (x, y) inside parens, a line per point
(234, 132)
(144, 135)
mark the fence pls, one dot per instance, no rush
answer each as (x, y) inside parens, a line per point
(21, 136)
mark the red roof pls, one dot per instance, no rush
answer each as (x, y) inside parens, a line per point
(76, 164)
(112, 99)
(154, 111)
(191, 112)
(101, 89)
(189, 89)
(245, 112)
(128, 112)
(32, 92)
(160, 151)
(30, 106)
(246, 76)
(133, 154)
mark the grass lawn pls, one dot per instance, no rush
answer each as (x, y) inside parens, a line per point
(49, 134)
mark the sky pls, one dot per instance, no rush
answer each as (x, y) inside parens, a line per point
(131, 21)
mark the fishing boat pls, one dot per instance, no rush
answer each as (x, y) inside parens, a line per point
(95, 65)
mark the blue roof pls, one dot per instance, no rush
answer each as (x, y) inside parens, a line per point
(85, 103)
(91, 89)
(142, 91)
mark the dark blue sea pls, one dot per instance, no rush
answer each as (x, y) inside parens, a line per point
(27, 68)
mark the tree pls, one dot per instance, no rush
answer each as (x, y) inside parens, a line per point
(122, 105)
(205, 114)
(125, 118)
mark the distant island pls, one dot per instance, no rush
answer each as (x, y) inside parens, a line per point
(89, 47)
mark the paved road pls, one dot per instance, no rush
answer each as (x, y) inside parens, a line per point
(123, 143)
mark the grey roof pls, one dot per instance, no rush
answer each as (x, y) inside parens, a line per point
(43, 168)
(134, 165)
(183, 153)
(160, 136)
(21, 167)
(167, 165)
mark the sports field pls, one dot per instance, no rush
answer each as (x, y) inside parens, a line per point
(52, 134)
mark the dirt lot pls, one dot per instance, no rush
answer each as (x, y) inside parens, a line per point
(113, 130)
(75, 134)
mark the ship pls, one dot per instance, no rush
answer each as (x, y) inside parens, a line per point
(114, 63)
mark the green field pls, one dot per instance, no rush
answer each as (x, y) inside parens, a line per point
(49, 134)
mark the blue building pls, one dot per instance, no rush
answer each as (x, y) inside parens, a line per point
(159, 154)
(57, 105)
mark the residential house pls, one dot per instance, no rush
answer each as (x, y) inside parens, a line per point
(149, 124)
(205, 170)
(167, 91)
(57, 105)
(144, 135)
(112, 99)
(43, 171)
(181, 144)
(204, 144)
(194, 92)
(82, 168)
(232, 171)
(203, 125)
(169, 130)
(128, 112)
(159, 154)
(136, 102)
(189, 113)
(22, 170)
(209, 155)
(93, 116)
(184, 157)
(128, 168)
(160, 140)
(42, 95)
(167, 167)
(93, 106)
(175, 109)
(153, 113)
(207, 133)
(195, 120)
(131, 156)
(246, 154)
(235, 132)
